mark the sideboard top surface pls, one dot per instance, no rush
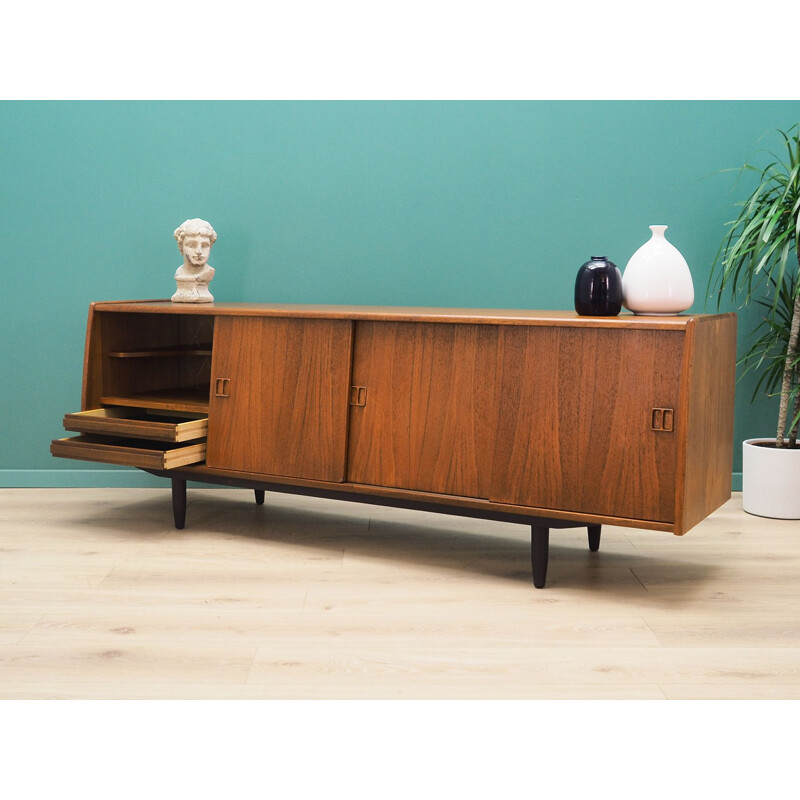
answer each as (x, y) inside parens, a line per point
(400, 314)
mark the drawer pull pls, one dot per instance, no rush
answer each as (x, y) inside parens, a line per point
(222, 387)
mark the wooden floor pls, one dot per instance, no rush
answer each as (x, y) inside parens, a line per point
(100, 597)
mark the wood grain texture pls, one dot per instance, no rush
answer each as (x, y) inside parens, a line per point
(127, 422)
(575, 429)
(303, 598)
(92, 382)
(493, 316)
(138, 453)
(537, 411)
(192, 400)
(709, 380)
(428, 422)
(288, 385)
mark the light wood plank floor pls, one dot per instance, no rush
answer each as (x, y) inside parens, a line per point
(100, 597)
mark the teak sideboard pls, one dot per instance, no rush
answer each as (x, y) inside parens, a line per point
(536, 417)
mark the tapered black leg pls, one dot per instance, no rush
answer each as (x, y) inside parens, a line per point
(594, 537)
(540, 543)
(259, 496)
(179, 502)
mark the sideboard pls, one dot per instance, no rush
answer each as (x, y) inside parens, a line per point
(537, 417)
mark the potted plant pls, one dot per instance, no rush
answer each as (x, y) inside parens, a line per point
(759, 261)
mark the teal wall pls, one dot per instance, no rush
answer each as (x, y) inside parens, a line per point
(487, 204)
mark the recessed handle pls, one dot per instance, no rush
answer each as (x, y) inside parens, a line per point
(222, 387)
(663, 419)
(358, 395)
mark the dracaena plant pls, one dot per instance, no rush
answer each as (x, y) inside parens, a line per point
(759, 261)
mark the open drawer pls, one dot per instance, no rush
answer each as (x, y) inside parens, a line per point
(138, 423)
(127, 452)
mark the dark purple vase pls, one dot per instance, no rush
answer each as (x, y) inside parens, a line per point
(598, 288)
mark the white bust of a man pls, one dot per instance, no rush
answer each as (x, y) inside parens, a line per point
(195, 238)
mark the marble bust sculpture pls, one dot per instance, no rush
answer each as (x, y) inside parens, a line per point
(195, 238)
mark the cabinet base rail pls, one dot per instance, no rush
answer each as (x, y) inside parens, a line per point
(540, 526)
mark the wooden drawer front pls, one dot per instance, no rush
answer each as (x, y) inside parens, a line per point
(136, 423)
(142, 454)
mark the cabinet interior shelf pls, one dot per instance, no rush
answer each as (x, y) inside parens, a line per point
(193, 399)
(160, 352)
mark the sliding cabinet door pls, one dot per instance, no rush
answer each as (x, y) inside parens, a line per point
(424, 406)
(279, 395)
(589, 420)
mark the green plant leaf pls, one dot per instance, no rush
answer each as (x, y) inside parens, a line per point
(752, 264)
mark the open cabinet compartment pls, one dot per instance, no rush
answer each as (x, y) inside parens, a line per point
(159, 362)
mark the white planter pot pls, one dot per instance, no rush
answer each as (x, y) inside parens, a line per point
(770, 480)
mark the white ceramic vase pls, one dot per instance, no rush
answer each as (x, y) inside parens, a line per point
(770, 480)
(657, 279)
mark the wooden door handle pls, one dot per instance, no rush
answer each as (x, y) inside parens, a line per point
(663, 419)
(222, 387)
(358, 395)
